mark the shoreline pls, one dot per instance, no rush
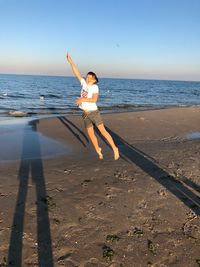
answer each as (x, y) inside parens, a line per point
(76, 210)
(76, 138)
(12, 115)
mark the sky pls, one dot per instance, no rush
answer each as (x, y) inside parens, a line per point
(139, 39)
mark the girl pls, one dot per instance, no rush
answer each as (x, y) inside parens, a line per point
(91, 115)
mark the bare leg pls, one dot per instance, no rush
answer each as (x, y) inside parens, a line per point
(109, 139)
(94, 141)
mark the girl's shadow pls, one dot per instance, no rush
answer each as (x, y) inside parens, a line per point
(178, 187)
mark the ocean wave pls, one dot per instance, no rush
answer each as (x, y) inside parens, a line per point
(74, 110)
(52, 96)
(129, 106)
(17, 96)
(25, 96)
(49, 108)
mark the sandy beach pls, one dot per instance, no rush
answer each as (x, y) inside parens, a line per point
(62, 206)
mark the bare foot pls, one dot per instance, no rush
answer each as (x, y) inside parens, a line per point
(116, 153)
(100, 154)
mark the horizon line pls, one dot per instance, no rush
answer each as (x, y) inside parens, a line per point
(100, 77)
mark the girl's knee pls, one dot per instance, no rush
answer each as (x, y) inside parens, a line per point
(90, 129)
(104, 132)
(102, 129)
(90, 132)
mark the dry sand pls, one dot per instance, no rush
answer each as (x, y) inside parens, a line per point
(62, 206)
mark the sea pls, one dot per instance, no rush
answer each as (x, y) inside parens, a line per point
(31, 95)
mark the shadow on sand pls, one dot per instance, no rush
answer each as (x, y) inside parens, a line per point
(31, 167)
(79, 134)
(182, 188)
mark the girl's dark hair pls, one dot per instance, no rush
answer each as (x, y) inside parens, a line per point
(93, 75)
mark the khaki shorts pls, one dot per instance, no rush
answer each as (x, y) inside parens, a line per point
(92, 117)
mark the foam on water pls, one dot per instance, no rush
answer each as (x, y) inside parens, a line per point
(193, 135)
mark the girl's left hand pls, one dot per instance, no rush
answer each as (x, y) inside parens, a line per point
(78, 101)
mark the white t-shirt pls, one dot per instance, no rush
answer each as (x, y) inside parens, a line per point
(87, 92)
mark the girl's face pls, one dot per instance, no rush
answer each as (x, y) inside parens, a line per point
(90, 79)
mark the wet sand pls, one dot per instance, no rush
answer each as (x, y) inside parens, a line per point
(62, 206)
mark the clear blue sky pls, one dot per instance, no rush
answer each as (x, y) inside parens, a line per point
(157, 39)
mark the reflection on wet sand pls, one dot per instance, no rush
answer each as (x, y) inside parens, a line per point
(11, 138)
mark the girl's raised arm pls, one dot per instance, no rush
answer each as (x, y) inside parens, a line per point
(73, 66)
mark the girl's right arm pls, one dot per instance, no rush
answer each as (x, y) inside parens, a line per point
(74, 68)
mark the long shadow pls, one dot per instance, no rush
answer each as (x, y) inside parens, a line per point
(178, 187)
(31, 165)
(70, 125)
(72, 128)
